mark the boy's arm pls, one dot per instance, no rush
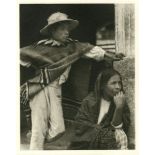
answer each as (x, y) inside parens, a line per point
(99, 54)
(27, 64)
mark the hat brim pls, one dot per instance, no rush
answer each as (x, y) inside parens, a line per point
(72, 25)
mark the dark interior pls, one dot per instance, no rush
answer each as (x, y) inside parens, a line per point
(84, 72)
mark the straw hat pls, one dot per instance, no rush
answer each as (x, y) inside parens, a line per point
(58, 17)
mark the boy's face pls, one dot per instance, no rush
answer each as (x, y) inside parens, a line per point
(61, 32)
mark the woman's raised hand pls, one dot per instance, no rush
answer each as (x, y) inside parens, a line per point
(119, 100)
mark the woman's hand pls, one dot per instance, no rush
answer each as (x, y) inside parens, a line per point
(119, 100)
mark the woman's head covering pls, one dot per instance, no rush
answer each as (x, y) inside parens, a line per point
(102, 81)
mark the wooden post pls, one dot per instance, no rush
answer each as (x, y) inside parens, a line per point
(124, 29)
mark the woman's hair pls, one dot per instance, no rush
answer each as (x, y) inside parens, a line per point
(102, 81)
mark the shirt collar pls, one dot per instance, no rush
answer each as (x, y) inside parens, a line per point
(53, 42)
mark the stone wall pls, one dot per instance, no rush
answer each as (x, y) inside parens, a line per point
(126, 68)
(125, 43)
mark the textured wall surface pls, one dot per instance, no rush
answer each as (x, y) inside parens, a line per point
(126, 68)
(125, 43)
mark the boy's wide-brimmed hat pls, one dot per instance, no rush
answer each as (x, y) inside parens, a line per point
(56, 18)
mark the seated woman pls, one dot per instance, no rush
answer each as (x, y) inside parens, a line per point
(103, 119)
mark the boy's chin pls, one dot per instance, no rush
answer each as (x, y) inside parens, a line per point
(64, 40)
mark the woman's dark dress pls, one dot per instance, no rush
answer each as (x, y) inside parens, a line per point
(89, 134)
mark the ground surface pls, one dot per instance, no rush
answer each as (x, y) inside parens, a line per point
(61, 144)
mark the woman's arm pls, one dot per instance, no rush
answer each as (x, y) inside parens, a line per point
(121, 120)
(126, 118)
(121, 113)
(119, 101)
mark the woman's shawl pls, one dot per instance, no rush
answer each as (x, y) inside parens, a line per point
(97, 135)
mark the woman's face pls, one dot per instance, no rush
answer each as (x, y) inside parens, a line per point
(113, 86)
(61, 33)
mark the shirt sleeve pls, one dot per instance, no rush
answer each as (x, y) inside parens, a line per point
(96, 53)
(118, 126)
(63, 78)
(121, 139)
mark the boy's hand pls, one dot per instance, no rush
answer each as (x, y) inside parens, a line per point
(120, 55)
(114, 56)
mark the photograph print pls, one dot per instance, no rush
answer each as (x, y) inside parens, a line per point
(77, 76)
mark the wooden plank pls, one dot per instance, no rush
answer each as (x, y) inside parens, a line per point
(108, 46)
(105, 42)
